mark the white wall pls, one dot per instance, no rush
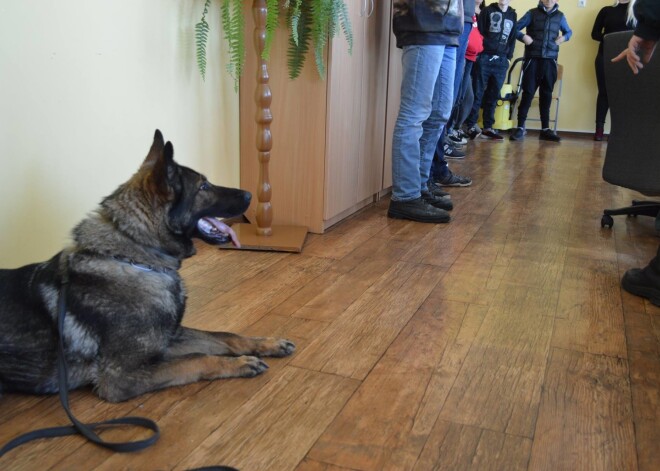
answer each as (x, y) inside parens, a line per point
(83, 86)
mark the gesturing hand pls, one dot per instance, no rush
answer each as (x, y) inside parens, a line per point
(638, 53)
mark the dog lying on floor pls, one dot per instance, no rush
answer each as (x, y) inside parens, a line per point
(125, 298)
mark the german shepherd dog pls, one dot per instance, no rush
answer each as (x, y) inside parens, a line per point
(125, 299)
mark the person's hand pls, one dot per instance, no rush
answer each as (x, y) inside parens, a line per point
(527, 40)
(638, 53)
(559, 40)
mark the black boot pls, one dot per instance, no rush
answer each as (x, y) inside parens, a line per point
(437, 201)
(417, 210)
(644, 282)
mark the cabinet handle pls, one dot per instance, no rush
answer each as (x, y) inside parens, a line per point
(371, 10)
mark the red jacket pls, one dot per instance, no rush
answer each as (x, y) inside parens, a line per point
(475, 44)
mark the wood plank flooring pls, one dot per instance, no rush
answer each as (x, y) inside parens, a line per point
(499, 341)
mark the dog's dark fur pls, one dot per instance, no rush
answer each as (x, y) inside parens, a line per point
(125, 301)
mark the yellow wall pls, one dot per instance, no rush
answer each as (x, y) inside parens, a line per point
(577, 110)
(83, 86)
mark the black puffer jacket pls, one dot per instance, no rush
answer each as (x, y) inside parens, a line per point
(427, 22)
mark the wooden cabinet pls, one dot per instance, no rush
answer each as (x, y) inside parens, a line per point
(328, 149)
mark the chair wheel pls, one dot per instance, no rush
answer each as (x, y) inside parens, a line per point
(606, 220)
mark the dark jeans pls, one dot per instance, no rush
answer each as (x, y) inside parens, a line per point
(490, 75)
(602, 104)
(538, 74)
(466, 98)
(439, 166)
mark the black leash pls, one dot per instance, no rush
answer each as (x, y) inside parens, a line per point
(78, 428)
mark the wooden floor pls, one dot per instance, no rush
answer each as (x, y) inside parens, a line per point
(499, 341)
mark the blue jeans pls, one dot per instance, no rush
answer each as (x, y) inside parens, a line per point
(490, 75)
(460, 57)
(427, 88)
(439, 165)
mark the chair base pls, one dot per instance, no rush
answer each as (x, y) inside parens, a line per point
(638, 208)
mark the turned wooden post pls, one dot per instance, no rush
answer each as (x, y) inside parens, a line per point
(264, 235)
(263, 118)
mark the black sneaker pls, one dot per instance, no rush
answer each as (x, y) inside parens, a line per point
(454, 137)
(417, 210)
(436, 201)
(451, 179)
(548, 134)
(636, 282)
(451, 152)
(462, 134)
(492, 135)
(518, 134)
(474, 132)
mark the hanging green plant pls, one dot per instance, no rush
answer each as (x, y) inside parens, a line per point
(311, 23)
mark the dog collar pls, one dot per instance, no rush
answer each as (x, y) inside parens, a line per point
(141, 266)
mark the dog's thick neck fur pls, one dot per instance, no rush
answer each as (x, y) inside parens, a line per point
(108, 232)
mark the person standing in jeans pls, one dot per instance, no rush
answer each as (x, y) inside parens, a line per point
(463, 105)
(544, 25)
(428, 32)
(497, 24)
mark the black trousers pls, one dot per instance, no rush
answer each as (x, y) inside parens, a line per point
(602, 104)
(541, 74)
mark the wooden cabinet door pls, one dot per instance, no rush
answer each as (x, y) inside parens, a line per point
(344, 117)
(374, 99)
(357, 94)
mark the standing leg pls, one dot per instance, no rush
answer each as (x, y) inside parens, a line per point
(548, 77)
(529, 86)
(442, 103)
(480, 82)
(439, 163)
(466, 97)
(416, 132)
(546, 87)
(498, 69)
(421, 66)
(602, 103)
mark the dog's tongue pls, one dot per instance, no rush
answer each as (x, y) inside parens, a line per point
(213, 226)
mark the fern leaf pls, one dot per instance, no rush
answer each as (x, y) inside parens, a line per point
(320, 14)
(272, 21)
(345, 24)
(201, 40)
(297, 51)
(294, 20)
(233, 26)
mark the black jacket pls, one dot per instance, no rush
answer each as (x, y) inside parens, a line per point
(544, 28)
(498, 29)
(427, 22)
(610, 19)
(647, 13)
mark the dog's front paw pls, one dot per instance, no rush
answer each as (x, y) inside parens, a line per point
(251, 366)
(272, 347)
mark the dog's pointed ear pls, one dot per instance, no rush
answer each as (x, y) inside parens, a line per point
(163, 170)
(156, 148)
(158, 168)
(168, 157)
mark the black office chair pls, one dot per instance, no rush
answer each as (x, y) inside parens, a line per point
(633, 148)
